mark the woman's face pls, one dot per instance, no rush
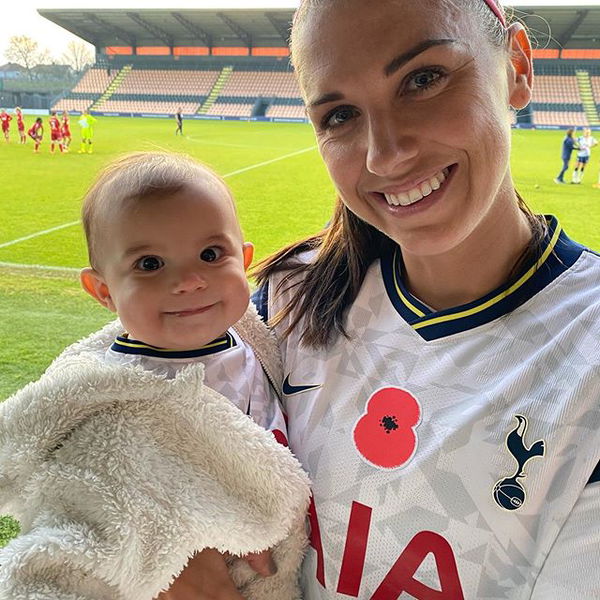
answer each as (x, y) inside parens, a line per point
(410, 104)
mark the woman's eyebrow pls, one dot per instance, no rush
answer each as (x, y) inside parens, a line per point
(389, 69)
(402, 59)
(331, 97)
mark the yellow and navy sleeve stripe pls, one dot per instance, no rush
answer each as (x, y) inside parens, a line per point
(558, 253)
(124, 345)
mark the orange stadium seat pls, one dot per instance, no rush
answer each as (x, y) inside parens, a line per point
(560, 118)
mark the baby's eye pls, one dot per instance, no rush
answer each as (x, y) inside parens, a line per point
(149, 263)
(211, 254)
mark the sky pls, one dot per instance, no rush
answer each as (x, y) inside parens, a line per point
(22, 17)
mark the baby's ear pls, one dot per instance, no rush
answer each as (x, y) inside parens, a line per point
(248, 252)
(93, 283)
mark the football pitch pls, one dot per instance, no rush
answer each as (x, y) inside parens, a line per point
(282, 192)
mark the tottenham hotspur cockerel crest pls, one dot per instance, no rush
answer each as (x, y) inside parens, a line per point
(508, 492)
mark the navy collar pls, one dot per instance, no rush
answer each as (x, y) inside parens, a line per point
(125, 345)
(558, 253)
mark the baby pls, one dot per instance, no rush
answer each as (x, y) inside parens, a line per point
(146, 442)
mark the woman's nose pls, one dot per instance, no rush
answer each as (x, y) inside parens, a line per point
(390, 144)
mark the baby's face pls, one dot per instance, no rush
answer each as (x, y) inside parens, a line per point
(175, 266)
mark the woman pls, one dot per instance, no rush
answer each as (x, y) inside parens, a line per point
(445, 337)
(440, 341)
(568, 146)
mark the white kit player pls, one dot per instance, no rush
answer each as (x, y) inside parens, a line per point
(585, 143)
(443, 379)
(452, 450)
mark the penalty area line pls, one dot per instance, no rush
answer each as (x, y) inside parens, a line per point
(26, 267)
(231, 174)
(269, 162)
(39, 233)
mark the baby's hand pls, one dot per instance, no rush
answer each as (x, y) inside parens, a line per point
(204, 578)
(262, 563)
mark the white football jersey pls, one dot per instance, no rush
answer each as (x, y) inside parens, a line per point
(451, 452)
(585, 143)
(230, 368)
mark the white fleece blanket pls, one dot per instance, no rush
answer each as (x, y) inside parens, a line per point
(118, 476)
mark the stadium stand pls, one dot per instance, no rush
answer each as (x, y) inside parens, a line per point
(94, 80)
(72, 105)
(243, 70)
(163, 81)
(559, 89)
(148, 107)
(245, 89)
(293, 111)
(227, 109)
(557, 117)
(262, 84)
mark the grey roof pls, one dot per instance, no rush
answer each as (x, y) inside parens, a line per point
(177, 27)
(12, 67)
(571, 26)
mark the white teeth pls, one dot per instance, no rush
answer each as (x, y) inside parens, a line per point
(418, 193)
(415, 195)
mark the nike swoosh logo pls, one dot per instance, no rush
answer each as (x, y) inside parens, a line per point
(289, 389)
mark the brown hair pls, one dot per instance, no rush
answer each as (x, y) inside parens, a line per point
(348, 246)
(132, 178)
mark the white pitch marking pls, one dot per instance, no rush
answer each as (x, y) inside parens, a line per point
(224, 144)
(237, 172)
(38, 233)
(269, 162)
(9, 265)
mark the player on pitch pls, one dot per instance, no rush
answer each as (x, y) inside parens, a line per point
(36, 133)
(5, 120)
(65, 129)
(55, 133)
(86, 123)
(20, 125)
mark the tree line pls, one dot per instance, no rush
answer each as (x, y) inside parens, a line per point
(28, 54)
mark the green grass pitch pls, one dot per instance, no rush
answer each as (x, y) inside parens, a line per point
(282, 191)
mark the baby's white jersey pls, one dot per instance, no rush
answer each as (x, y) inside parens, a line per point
(452, 454)
(230, 368)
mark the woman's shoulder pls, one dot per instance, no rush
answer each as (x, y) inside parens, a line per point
(279, 287)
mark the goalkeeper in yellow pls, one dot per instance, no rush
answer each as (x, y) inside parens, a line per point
(86, 122)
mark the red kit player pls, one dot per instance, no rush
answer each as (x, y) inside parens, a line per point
(36, 133)
(55, 132)
(20, 125)
(5, 119)
(66, 131)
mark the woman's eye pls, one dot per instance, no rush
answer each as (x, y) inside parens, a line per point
(149, 263)
(211, 254)
(338, 116)
(423, 80)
